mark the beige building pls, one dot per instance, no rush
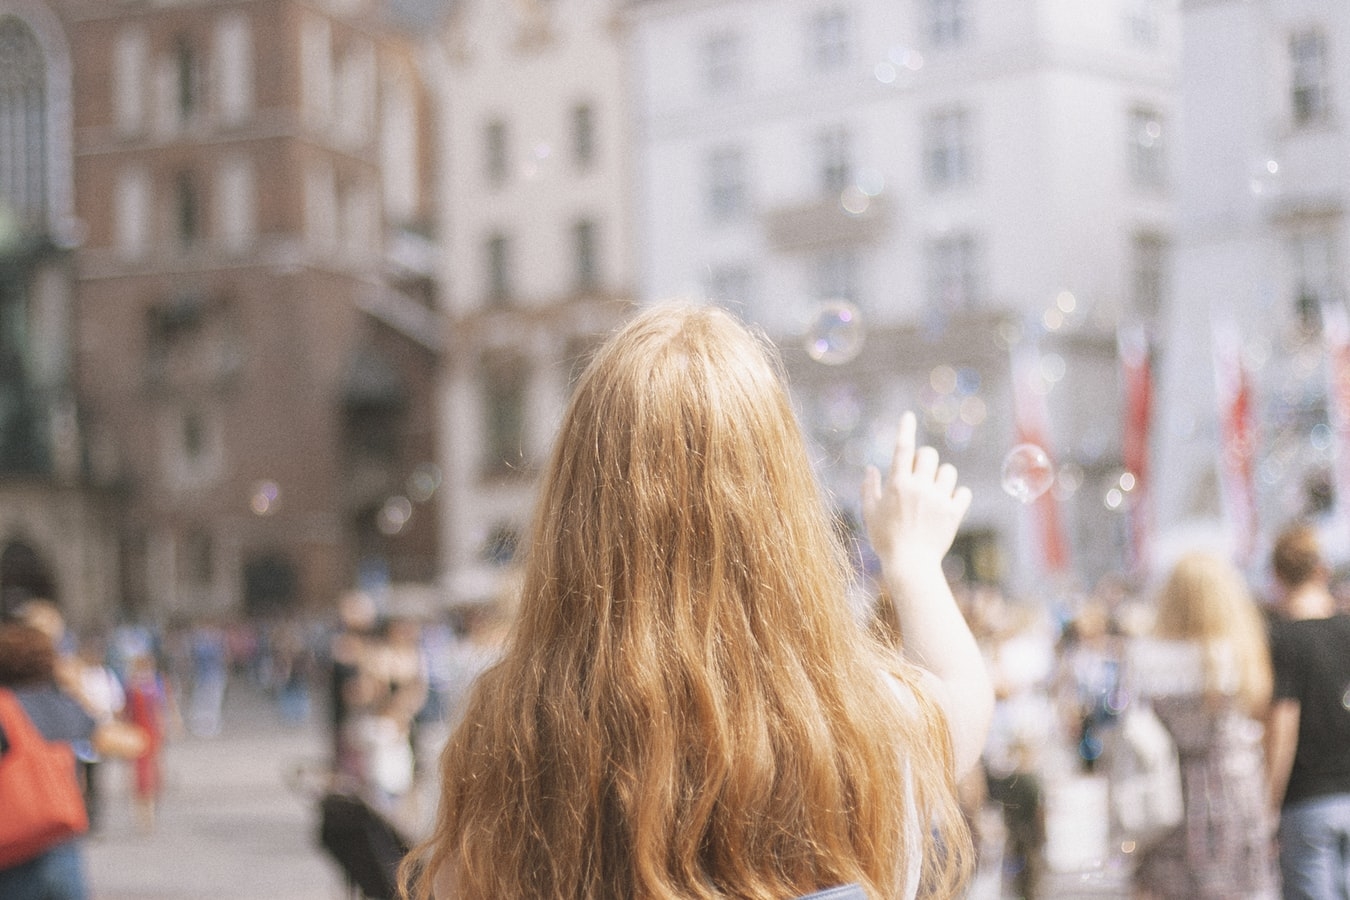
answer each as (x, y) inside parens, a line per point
(537, 261)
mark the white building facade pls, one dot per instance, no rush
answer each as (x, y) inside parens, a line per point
(537, 262)
(975, 176)
(1261, 249)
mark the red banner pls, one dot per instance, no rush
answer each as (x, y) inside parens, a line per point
(1237, 441)
(1336, 334)
(1136, 370)
(1032, 421)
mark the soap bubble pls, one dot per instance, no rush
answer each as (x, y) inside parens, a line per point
(836, 336)
(1027, 472)
(393, 515)
(265, 499)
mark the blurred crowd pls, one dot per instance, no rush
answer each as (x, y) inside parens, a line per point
(1252, 684)
(1220, 663)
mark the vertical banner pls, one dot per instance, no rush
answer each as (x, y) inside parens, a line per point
(1136, 375)
(1336, 334)
(1032, 421)
(1237, 441)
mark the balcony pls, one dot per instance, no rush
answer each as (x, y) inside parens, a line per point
(848, 219)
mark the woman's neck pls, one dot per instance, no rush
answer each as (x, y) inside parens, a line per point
(1310, 600)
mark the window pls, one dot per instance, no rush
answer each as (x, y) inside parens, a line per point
(23, 121)
(1143, 22)
(496, 152)
(129, 80)
(722, 62)
(836, 276)
(726, 184)
(830, 39)
(731, 286)
(187, 80)
(947, 149)
(1148, 279)
(235, 205)
(1308, 71)
(499, 269)
(834, 153)
(187, 210)
(504, 412)
(500, 546)
(585, 255)
(131, 209)
(1147, 168)
(354, 87)
(199, 556)
(233, 68)
(1313, 262)
(953, 272)
(583, 135)
(948, 22)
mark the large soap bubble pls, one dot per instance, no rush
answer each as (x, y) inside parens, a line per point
(836, 335)
(1027, 472)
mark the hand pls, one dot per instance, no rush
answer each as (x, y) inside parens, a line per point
(913, 513)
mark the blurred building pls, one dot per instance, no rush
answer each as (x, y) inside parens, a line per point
(1261, 279)
(538, 266)
(57, 539)
(256, 331)
(983, 181)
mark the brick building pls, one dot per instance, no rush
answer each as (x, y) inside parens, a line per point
(256, 338)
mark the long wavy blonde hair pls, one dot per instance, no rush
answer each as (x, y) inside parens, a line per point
(687, 707)
(1205, 600)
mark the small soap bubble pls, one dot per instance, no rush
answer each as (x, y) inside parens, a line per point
(1345, 698)
(1027, 472)
(394, 515)
(1264, 180)
(854, 200)
(424, 481)
(836, 335)
(265, 498)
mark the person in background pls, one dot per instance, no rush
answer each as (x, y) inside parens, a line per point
(355, 635)
(1206, 670)
(28, 668)
(146, 705)
(391, 688)
(101, 693)
(1021, 658)
(1308, 730)
(210, 655)
(688, 705)
(485, 629)
(1088, 679)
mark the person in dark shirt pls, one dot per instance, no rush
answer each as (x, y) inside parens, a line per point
(1308, 731)
(27, 667)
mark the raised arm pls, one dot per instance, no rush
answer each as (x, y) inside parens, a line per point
(912, 515)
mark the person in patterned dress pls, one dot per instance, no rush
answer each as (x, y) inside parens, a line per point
(1206, 669)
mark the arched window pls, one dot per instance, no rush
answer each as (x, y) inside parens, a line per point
(23, 122)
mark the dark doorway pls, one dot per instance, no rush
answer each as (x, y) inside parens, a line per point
(24, 576)
(269, 586)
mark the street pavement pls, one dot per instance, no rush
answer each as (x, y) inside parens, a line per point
(233, 826)
(229, 827)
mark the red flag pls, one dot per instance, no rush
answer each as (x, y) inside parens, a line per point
(1033, 427)
(1237, 441)
(1136, 365)
(1336, 334)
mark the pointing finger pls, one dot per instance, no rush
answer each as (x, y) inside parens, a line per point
(903, 461)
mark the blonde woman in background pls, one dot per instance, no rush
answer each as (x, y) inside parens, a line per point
(1206, 669)
(687, 707)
